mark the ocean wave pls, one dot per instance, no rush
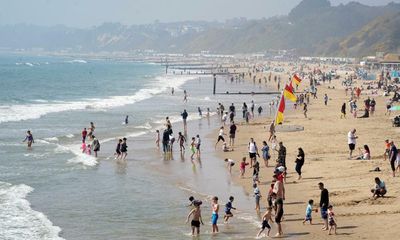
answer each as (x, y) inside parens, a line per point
(147, 125)
(20, 112)
(19, 220)
(77, 61)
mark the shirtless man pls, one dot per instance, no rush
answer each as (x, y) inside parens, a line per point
(196, 219)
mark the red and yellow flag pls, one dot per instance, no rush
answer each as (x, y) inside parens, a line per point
(296, 80)
(281, 109)
(289, 93)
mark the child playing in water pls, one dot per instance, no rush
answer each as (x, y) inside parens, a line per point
(331, 220)
(228, 207)
(309, 210)
(257, 196)
(88, 150)
(193, 147)
(181, 140)
(243, 165)
(83, 147)
(266, 217)
(196, 219)
(214, 217)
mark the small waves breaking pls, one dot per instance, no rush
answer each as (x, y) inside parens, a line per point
(20, 112)
(18, 220)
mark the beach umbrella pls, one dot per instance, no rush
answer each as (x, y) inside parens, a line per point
(395, 108)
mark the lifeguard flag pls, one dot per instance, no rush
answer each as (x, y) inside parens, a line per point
(288, 92)
(281, 109)
(296, 80)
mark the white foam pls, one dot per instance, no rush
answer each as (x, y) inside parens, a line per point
(69, 135)
(51, 139)
(29, 64)
(147, 125)
(20, 112)
(77, 61)
(18, 220)
(80, 158)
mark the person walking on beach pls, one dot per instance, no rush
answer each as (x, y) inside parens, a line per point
(232, 134)
(84, 135)
(184, 117)
(326, 99)
(393, 156)
(257, 197)
(220, 136)
(29, 139)
(351, 140)
(195, 213)
(305, 110)
(214, 216)
(323, 204)
(299, 162)
(253, 151)
(95, 145)
(271, 130)
(331, 220)
(193, 147)
(228, 208)
(244, 110)
(343, 111)
(279, 213)
(181, 140)
(252, 107)
(267, 217)
(265, 153)
(124, 149)
(198, 145)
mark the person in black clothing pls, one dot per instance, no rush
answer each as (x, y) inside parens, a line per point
(323, 204)
(165, 139)
(299, 162)
(232, 109)
(232, 133)
(117, 153)
(392, 156)
(184, 117)
(282, 155)
(343, 111)
(124, 149)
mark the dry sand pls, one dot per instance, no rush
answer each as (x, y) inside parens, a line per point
(324, 141)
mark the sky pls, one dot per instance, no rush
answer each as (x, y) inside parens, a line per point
(87, 13)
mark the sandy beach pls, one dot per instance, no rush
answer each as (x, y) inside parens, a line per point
(324, 140)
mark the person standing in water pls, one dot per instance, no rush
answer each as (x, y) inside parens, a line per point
(124, 149)
(117, 153)
(126, 120)
(84, 134)
(172, 91)
(196, 218)
(184, 117)
(29, 139)
(214, 216)
(95, 145)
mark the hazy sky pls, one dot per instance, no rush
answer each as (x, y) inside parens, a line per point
(85, 13)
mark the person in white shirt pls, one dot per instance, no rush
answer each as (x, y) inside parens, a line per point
(351, 140)
(220, 136)
(253, 152)
(230, 163)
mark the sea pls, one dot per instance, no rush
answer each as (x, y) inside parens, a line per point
(54, 191)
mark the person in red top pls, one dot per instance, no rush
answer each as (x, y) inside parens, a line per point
(84, 134)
